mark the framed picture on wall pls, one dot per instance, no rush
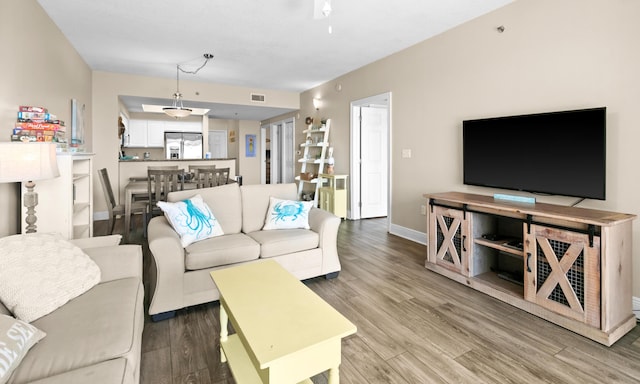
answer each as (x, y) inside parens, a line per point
(250, 145)
(77, 126)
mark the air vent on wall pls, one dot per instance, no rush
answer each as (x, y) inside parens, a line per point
(257, 97)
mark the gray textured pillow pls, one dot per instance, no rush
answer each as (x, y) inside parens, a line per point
(16, 338)
(42, 271)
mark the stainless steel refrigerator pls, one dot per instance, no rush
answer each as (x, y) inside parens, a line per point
(183, 145)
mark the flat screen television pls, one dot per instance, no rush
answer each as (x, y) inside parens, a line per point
(556, 153)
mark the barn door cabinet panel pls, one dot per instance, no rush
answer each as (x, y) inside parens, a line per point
(448, 239)
(568, 265)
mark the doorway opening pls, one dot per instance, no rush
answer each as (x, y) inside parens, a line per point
(278, 150)
(370, 157)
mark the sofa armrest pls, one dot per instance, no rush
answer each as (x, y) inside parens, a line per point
(99, 241)
(117, 261)
(326, 225)
(167, 270)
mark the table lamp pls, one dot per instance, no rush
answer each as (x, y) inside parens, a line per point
(28, 162)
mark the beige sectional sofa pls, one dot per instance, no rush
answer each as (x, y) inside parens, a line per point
(96, 337)
(180, 276)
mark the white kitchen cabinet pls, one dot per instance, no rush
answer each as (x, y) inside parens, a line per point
(150, 133)
(136, 134)
(182, 126)
(155, 133)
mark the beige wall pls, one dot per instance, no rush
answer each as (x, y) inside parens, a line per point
(108, 86)
(228, 126)
(38, 67)
(554, 55)
(248, 167)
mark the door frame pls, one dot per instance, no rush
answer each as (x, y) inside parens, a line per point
(275, 146)
(263, 153)
(383, 99)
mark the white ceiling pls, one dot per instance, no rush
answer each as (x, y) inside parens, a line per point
(269, 44)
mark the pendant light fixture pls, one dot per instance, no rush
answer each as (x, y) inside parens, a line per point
(326, 8)
(178, 110)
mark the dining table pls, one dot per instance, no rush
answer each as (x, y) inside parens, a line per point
(137, 186)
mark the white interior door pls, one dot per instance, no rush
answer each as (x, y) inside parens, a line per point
(288, 153)
(275, 153)
(370, 193)
(218, 144)
(264, 147)
(279, 165)
(373, 166)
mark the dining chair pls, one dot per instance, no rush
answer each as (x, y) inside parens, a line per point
(212, 177)
(145, 196)
(159, 183)
(115, 210)
(194, 170)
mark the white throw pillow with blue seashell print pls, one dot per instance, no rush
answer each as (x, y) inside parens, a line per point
(191, 219)
(287, 214)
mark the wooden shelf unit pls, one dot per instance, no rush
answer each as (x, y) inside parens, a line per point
(575, 264)
(313, 158)
(65, 203)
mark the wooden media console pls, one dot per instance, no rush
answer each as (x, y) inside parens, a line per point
(568, 265)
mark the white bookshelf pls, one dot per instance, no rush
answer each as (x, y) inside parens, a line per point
(65, 204)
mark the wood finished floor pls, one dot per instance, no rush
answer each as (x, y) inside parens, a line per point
(414, 326)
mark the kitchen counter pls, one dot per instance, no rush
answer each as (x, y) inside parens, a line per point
(138, 168)
(173, 160)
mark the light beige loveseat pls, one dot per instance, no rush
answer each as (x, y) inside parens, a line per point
(180, 276)
(96, 337)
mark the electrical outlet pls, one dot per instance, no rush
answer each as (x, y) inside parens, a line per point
(423, 210)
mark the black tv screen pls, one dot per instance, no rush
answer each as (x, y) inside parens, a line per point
(557, 153)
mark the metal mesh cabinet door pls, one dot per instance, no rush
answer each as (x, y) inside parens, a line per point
(448, 239)
(562, 273)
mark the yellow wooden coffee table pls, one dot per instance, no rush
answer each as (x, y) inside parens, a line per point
(285, 333)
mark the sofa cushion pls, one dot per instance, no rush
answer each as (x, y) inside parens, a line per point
(191, 219)
(16, 338)
(102, 324)
(42, 271)
(255, 202)
(107, 372)
(276, 243)
(223, 250)
(4, 310)
(224, 201)
(287, 214)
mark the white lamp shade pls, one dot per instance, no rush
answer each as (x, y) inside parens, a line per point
(177, 112)
(27, 161)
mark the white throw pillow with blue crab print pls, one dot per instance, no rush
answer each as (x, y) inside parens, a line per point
(191, 219)
(287, 214)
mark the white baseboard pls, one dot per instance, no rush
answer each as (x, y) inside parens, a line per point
(104, 215)
(636, 306)
(408, 233)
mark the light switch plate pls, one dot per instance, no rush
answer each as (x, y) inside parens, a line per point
(406, 153)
